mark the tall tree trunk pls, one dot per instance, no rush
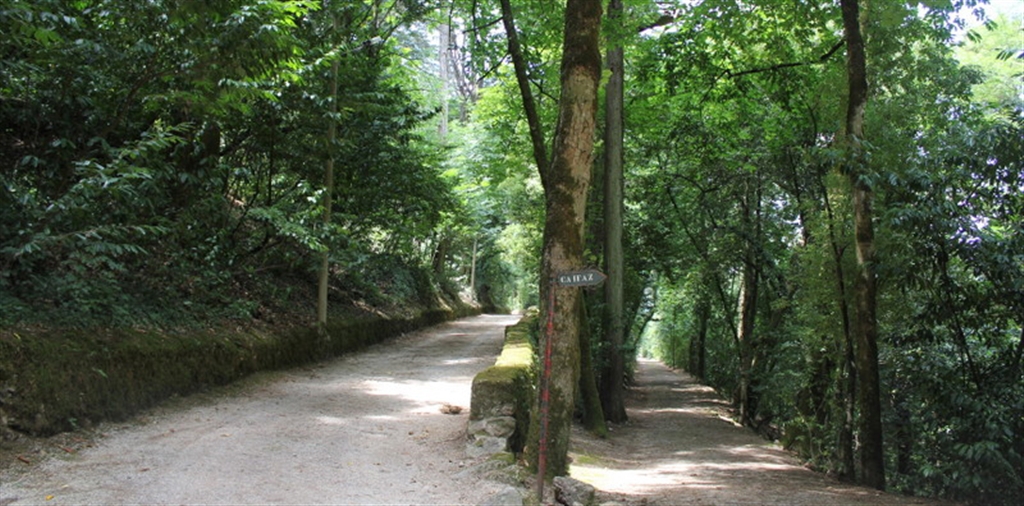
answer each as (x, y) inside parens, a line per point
(865, 291)
(565, 195)
(847, 380)
(612, 390)
(328, 197)
(442, 62)
(748, 302)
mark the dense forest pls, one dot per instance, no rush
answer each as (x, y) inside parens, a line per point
(816, 207)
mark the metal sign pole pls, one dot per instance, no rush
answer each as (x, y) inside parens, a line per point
(588, 277)
(545, 393)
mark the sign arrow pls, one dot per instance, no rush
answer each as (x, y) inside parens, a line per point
(588, 277)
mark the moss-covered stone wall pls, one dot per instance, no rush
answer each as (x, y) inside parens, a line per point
(55, 381)
(502, 394)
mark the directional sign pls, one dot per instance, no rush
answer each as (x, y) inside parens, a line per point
(589, 277)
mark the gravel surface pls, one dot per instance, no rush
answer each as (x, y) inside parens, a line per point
(371, 428)
(374, 427)
(681, 446)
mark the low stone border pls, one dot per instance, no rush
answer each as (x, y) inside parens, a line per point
(500, 405)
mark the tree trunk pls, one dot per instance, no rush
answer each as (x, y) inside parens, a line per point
(612, 390)
(593, 413)
(847, 379)
(442, 62)
(328, 202)
(698, 346)
(865, 291)
(565, 195)
(540, 155)
(749, 286)
(440, 257)
(472, 271)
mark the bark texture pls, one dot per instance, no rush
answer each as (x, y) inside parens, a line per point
(612, 390)
(565, 192)
(865, 325)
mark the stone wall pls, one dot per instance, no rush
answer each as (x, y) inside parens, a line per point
(502, 394)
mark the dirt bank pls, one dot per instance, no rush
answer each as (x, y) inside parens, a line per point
(364, 429)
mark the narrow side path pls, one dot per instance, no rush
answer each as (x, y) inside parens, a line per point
(680, 447)
(367, 428)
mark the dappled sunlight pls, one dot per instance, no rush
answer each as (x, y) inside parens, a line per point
(680, 447)
(426, 396)
(641, 479)
(331, 420)
(462, 361)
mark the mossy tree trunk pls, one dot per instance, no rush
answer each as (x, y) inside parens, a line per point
(565, 194)
(865, 324)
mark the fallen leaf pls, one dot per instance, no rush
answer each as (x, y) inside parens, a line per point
(23, 459)
(451, 409)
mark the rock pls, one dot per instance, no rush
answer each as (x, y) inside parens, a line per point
(509, 496)
(503, 426)
(571, 492)
(486, 445)
(499, 426)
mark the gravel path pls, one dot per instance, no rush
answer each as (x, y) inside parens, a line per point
(681, 447)
(367, 428)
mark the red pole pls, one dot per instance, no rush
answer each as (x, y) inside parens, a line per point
(545, 394)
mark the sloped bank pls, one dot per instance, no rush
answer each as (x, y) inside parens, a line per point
(54, 381)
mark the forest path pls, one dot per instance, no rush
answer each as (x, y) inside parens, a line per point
(680, 447)
(366, 428)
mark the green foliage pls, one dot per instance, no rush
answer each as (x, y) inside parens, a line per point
(165, 167)
(166, 155)
(749, 94)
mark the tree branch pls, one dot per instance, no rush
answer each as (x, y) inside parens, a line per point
(664, 20)
(529, 105)
(477, 28)
(778, 66)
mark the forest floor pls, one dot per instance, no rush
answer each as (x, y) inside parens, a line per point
(378, 427)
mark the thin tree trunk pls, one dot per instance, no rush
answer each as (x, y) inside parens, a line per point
(472, 271)
(328, 198)
(747, 311)
(865, 289)
(593, 413)
(698, 346)
(612, 390)
(540, 155)
(442, 60)
(748, 305)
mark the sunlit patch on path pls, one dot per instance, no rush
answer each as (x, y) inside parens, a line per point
(680, 446)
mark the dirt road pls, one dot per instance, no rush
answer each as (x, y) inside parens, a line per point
(681, 447)
(369, 429)
(363, 429)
